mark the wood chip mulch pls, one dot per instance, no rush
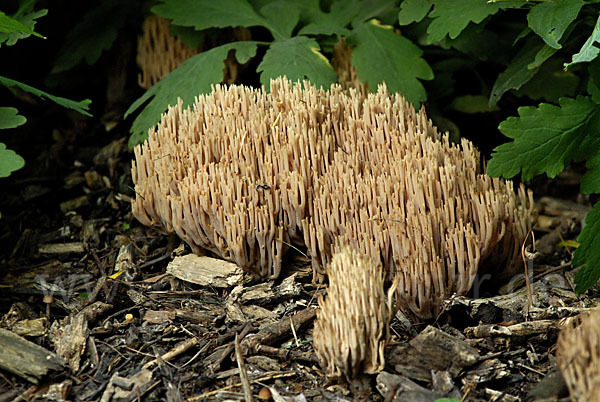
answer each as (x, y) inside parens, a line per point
(94, 306)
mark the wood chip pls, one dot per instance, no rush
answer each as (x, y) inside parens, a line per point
(433, 349)
(70, 339)
(159, 317)
(399, 388)
(61, 248)
(207, 271)
(25, 358)
(31, 328)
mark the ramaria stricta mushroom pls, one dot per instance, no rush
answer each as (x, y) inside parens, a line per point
(578, 352)
(352, 326)
(159, 52)
(245, 173)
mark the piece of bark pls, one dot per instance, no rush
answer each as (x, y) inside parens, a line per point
(288, 354)
(124, 261)
(195, 317)
(488, 370)
(31, 328)
(25, 358)
(207, 271)
(512, 306)
(520, 329)
(441, 382)
(399, 388)
(159, 317)
(239, 313)
(70, 338)
(264, 363)
(433, 349)
(494, 395)
(264, 293)
(272, 333)
(127, 388)
(61, 248)
(58, 391)
(94, 311)
(74, 204)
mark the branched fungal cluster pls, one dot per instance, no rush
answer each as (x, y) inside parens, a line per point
(245, 173)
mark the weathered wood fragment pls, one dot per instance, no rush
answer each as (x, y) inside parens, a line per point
(433, 349)
(207, 271)
(25, 358)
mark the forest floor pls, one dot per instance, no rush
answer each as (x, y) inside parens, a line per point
(86, 282)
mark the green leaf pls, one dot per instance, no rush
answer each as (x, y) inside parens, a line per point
(593, 86)
(541, 56)
(590, 182)
(518, 72)
(204, 14)
(382, 55)
(369, 9)
(9, 118)
(27, 18)
(297, 58)
(334, 22)
(550, 83)
(450, 17)
(474, 40)
(11, 25)
(81, 107)
(95, 33)
(9, 161)
(547, 138)
(193, 77)
(472, 104)
(550, 19)
(589, 51)
(413, 11)
(283, 16)
(588, 252)
(188, 35)
(594, 90)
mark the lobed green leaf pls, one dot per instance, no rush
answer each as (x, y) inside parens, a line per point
(81, 107)
(590, 182)
(450, 17)
(283, 16)
(342, 13)
(94, 34)
(193, 77)
(380, 55)
(587, 254)
(413, 11)
(204, 14)
(297, 58)
(20, 25)
(9, 161)
(589, 51)
(12, 25)
(9, 118)
(550, 19)
(547, 138)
